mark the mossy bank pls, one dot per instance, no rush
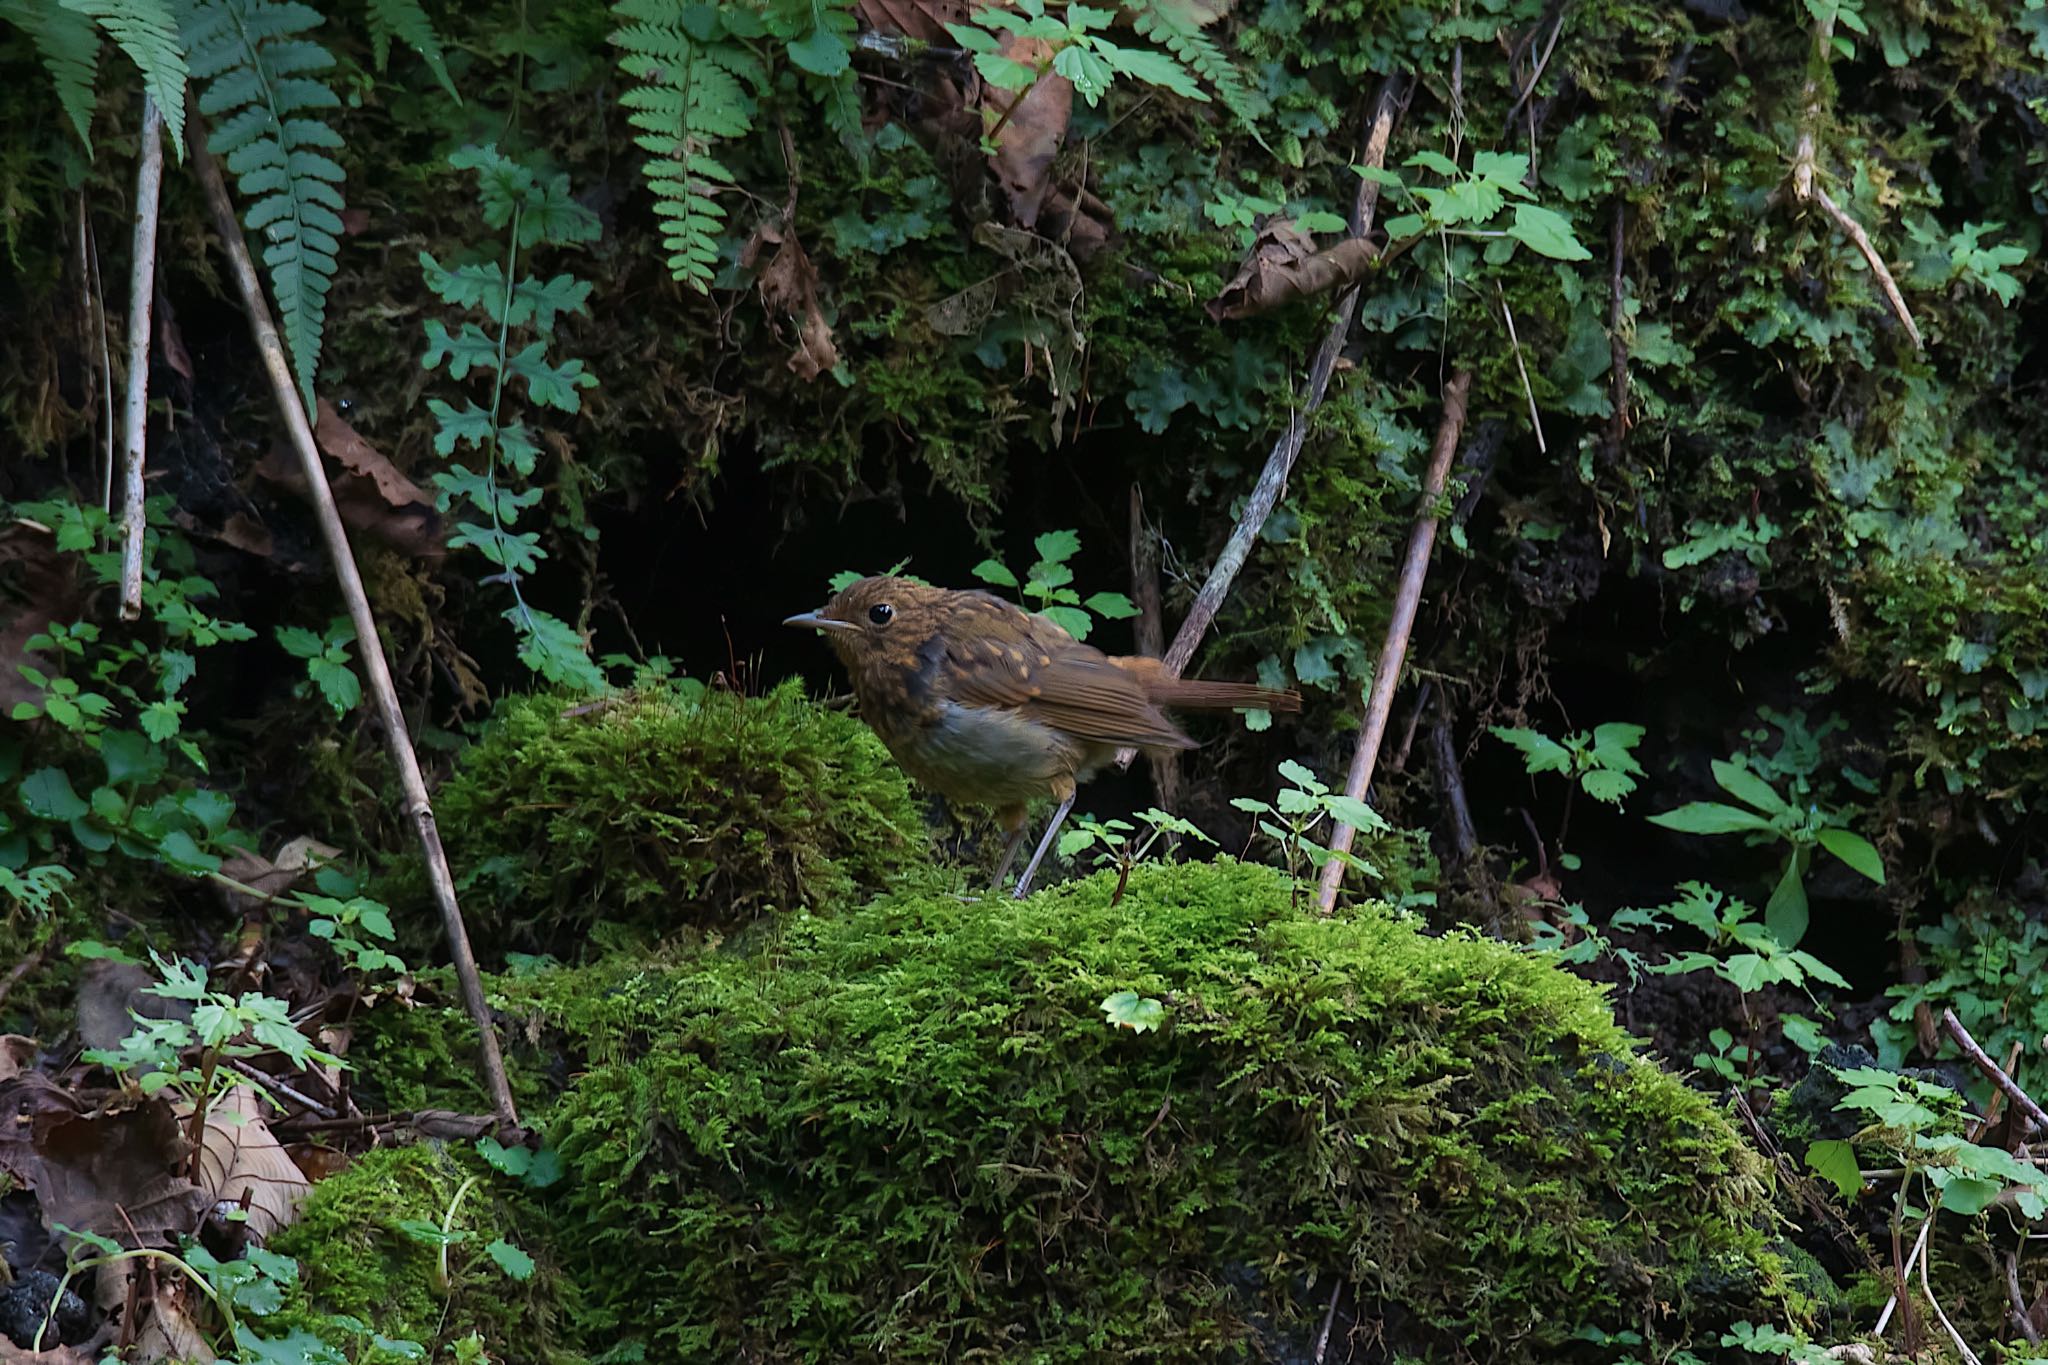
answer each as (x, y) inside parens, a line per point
(910, 1133)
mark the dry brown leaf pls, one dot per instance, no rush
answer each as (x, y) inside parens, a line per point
(108, 1173)
(275, 876)
(340, 441)
(1030, 139)
(38, 585)
(17, 1054)
(241, 1162)
(789, 286)
(924, 20)
(1284, 266)
(168, 1330)
(10, 1354)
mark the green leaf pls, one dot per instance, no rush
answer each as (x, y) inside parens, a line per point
(1856, 851)
(1744, 785)
(1433, 161)
(1786, 914)
(1613, 743)
(1710, 817)
(1607, 784)
(1111, 606)
(47, 795)
(1153, 68)
(1546, 232)
(974, 39)
(993, 571)
(1540, 753)
(430, 1234)
(822, 53)
(1087, 70)
(1072, 620)
(1126, 1009)
(180, 850)
(1056, 547)
(130, 757)
(514, 1262)
(1505, 169)
(299, 642)
(1302, 777)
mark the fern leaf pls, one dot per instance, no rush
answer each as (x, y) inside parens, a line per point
(407, 21)
(70, 48)
(692, 92)
(148, 32)
(262, 87)
(1176, 28)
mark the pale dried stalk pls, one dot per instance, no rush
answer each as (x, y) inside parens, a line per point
(417, 807)
(1972, 1049)
(149, 183)
(1379, 703)
(1806, 191)
(1273, 478)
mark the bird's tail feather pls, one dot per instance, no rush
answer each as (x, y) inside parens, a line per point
(1195, 695)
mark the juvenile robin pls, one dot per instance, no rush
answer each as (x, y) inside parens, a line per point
(989, 704)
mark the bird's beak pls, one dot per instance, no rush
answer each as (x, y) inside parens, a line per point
(811, 620)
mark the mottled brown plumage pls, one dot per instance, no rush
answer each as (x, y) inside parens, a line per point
(991, 705)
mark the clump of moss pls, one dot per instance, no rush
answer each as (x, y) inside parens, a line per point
(913, 1135)
(670, 810)
(358, 1259)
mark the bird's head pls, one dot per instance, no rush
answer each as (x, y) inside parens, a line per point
(882, 619)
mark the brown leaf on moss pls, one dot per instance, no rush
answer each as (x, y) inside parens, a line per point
(789, 287)
(1285, 266)
(1029, 139)
(924, 20)
(242, 1163)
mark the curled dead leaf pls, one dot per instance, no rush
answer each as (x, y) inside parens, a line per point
(17, 1054)
(242, 1163)
(1284, 266)
(110, 1172)
(371, 494)
(789, 287)
(38, 585)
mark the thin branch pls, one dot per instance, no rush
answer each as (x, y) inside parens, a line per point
(1804, 158)
(149, 183)
(1962, 1347)
(2021, 1318)
(1515, 342)
(1379, 703)
(1617, 345)
(1266, 492)
(1971, 1049)
(1150, 638)
(378, 670)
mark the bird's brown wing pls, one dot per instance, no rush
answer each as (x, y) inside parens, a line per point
(1051, 678)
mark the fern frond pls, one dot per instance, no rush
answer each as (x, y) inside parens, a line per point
(70, 48)
(148, 32)
(262, 84)
(692, 91)
(1173, 26)
(407, 21)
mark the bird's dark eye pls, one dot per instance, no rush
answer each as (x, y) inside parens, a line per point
(881, 613)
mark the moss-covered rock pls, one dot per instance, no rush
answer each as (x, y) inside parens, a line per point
(669, 810)
(358, 1258)
(910, 1133)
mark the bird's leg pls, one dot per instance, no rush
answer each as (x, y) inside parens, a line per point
(1051, 831)
(1012, 819)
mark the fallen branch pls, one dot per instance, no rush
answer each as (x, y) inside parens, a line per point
(377, 669)
(1273, 478)
(149, 183)
(1998, 1077)
(1150, 637)
(1379, 703)
(1805, 191)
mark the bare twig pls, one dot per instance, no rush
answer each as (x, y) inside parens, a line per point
(1266, 492)
(1905, 1276)
(270, 1082)
(378, 670)
(1329, 1321)
(1150, 637)
(1962, 1347)
(1804, 190)
(1451, 784)
(1379, 703)
(1534, 76)
(2021, 1318)
(1617, 346)
(1971, 1049)
(1515, 342)
(149, 183)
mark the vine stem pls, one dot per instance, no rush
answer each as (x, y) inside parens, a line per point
(1265, 494)
(149, 183)
(1379, 702)
(397, 738)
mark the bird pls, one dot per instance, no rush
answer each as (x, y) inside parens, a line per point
(988, 704)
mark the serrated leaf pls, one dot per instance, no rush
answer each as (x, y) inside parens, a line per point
(994, 571)
(1607, 784)
(1072, 620)
(510, 1259)
(47, 794)
(1547, 232)
(1111, 606)
(1834, 1161)
(1540, 753)
(1056, 547)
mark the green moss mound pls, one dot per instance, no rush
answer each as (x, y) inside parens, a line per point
(910, 1134)
(667, 810)
(357, 1257)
